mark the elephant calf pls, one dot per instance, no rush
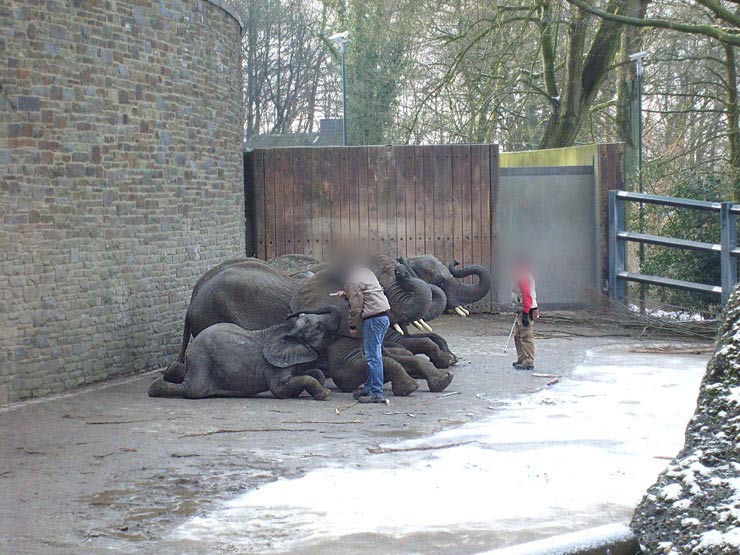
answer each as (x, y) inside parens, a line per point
(228, 361)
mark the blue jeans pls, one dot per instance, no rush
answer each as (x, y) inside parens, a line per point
(373, 333)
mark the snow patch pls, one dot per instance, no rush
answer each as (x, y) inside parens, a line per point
(671, 492)
(570, 543)
(715, 538)
(734, 395)
(578, 454)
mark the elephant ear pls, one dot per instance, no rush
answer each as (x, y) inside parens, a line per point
(282, 350)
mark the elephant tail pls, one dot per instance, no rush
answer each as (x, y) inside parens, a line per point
(175, 373)
(185, 340)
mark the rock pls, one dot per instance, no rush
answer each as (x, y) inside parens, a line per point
(694, 507)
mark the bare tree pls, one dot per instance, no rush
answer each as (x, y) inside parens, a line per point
(713, 19)
(286, 67)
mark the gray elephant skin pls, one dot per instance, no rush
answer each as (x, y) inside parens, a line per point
(410, 299)
(226, 360)
(449, 279)
(254, 295)
(246, 292)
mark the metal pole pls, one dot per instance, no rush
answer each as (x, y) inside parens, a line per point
(511, 332)
(639, 123)
(617, 248)
(641, 186)
(728, 262)
(342, 47)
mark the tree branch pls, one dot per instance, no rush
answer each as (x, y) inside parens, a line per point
(726, 37)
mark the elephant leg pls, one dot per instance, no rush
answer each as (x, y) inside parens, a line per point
(420, 345)
(401, 383)
(317, 374)
(354, 375)
(295, 385)
(440, 341)
(162, 388)
(348, 368)
(175, 373)
(396, 350)
(437, 380)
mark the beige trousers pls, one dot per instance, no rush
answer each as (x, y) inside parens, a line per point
(524, 341)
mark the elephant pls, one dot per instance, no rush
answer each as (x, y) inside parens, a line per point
(427, 343)
(251, 294)
(459, 294)
(410, 299)
(246, 292)
(226, 360)
(293, 264)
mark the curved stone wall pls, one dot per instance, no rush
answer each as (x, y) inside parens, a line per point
(120, 181)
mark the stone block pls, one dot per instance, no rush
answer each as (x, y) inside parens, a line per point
(29, 103)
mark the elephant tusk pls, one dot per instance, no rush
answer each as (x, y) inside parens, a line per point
(465, 310)
(398, 328)
(425, 325)
(460, 312)
(418, 325)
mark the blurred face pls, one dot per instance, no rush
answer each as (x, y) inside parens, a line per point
(350, 254)
(520, 267)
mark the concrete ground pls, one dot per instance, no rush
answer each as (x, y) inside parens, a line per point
(109, 470)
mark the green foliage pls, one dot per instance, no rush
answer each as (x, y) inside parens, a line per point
(683, 264)
(377, 59)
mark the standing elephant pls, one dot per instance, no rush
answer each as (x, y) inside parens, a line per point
(226, 360)
(410, 299)
(459, 294)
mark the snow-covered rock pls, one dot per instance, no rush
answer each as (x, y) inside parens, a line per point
(694, 507)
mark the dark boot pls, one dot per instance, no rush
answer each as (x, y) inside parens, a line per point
(361, 391)
(367, 399)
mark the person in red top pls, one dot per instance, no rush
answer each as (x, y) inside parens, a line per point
(524, 301)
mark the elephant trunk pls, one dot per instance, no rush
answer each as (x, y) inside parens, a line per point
(462, 293)
(405, 263)
(409, 297)
(438, 304)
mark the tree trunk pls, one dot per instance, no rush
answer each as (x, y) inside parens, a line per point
(628, 116)
(733, 120)
(584, 74)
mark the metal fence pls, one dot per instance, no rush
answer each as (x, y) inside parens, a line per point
(619, 236)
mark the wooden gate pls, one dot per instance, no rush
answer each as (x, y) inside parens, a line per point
(404, 200)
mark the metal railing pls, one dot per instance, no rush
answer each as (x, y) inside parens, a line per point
(619, 236)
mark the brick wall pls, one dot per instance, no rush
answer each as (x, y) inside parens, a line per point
(120, 181)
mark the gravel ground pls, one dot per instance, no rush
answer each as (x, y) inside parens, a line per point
(109, 470)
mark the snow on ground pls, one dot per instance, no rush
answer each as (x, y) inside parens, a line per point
(575, 455)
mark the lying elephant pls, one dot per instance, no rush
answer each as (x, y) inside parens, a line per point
(459, 294)
(228, 361)
(410, 300)
(246, 292)
(427, 343)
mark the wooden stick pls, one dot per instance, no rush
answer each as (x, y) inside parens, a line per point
(248, 431)
(379, 450)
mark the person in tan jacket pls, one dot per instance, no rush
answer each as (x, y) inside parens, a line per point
(369, 308)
